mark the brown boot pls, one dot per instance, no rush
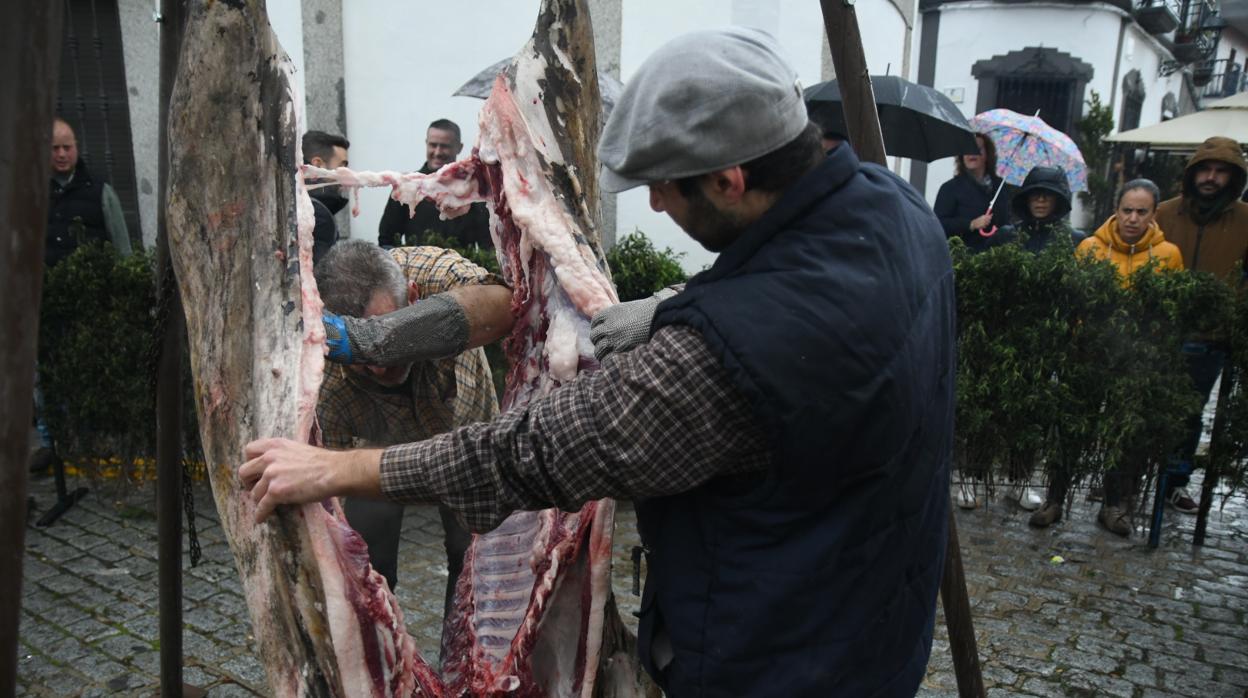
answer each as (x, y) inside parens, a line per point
(1116, 520)
(1046, 515)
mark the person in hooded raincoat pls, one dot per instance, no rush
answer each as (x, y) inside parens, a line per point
(1040, 209)
(1210, 225)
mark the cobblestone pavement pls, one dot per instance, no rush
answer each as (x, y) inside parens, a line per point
(1113, 619)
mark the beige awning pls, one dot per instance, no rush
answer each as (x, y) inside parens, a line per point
(1225, 117)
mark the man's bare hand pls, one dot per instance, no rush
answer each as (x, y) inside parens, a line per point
(281, 471)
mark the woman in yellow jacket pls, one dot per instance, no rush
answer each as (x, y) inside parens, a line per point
(1131, 237)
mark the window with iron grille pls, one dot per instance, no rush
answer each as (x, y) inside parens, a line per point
(1132, 101)
(92, 96)
(1034, 79)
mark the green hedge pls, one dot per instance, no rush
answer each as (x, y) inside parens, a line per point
(95, 336)
(639, 269)
(1058, 362)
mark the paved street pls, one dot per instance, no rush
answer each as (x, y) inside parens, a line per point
(1112, 619)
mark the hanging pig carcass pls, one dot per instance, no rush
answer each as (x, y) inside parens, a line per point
(533, 612)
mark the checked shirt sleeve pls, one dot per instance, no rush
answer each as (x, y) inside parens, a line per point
(655, 421)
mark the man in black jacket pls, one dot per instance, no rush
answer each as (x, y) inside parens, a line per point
(83, 207)
(327, 151)
(400, 227)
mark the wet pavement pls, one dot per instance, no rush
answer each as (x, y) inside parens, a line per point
(1111, 618)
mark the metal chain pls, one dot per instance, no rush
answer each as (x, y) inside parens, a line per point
(164, 302)
(188, 504)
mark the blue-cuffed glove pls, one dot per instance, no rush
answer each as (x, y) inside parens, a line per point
(336, 338)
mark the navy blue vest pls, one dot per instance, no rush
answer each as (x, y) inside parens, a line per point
(76, 215)
(834, 316)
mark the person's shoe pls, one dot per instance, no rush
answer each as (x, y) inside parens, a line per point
(1182, 501)
(41, 458)
(1115, 520)
(1025, 496)
(1047, 515)
(964, 495)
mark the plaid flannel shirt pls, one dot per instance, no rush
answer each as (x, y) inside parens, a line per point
(354, 412)
(658, 420)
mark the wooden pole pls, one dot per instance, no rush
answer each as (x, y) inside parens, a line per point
(1217, 452)
(862, 122)
(30, 51)
(169, 388)
(958, 622)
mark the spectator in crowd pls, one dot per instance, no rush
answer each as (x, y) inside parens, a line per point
(1209, 224)
(327, 151)
(962, 202)
(377, 406)
(84, 207)
(1040, 209)
(1131, 239)
(400, 226)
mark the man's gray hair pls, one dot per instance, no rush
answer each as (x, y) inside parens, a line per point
(1145, 184)
(352, 271)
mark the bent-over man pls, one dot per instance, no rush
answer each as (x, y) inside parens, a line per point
(366, 405)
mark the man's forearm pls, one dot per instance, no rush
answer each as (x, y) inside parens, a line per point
(360, 473)
(434, 328)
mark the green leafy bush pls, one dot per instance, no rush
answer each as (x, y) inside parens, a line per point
(1060, 363)
(1091, 131)
(639, 269)
(95, 336)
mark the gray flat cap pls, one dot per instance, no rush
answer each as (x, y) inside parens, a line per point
(704, 101)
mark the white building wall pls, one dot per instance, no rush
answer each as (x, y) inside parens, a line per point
(1142, 52)
(975, 31)
(403, 60)
(140, 37)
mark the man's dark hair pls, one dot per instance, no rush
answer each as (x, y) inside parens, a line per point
(447, 125)
(318, 144)
(352, 271)
(1144, 184)
(777, 170)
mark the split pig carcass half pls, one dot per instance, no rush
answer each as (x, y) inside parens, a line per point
(534, 614)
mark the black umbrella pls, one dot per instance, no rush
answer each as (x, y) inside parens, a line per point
(918, 122)
(609, 88)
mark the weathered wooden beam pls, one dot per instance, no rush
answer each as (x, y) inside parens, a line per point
(30, 50)
(862, 121)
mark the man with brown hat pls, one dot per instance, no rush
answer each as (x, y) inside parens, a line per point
(1210, 225)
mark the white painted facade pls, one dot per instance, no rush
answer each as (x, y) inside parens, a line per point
(974, 31)
(403, 60)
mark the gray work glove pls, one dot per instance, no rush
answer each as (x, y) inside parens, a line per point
(625, 325)
(429, 329)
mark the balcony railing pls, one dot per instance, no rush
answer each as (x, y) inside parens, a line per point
(1216, 79)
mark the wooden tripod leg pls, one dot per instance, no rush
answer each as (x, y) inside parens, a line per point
(957, 605)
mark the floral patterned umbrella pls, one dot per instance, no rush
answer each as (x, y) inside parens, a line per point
(1024, 142)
